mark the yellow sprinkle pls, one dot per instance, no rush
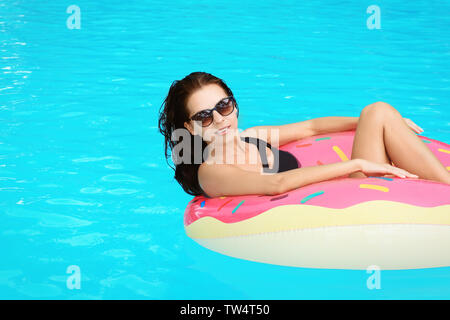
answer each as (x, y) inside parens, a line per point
(222, 197)
(374, 187)
(340, 153)
(448, 168)
(443, 150)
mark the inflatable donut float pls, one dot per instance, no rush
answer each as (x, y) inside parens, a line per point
(344, 223)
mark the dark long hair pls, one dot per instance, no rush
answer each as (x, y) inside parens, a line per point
(173, 114)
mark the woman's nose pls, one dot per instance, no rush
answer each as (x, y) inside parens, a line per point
(217, 116)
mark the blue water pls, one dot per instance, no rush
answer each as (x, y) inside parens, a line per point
(83, 180)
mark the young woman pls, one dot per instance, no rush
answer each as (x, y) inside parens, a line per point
(203, 105)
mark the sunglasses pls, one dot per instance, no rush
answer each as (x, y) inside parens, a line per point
(224, 107)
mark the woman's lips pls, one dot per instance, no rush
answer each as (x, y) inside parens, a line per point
(223, 130)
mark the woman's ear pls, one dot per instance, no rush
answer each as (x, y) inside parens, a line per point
(188, 126)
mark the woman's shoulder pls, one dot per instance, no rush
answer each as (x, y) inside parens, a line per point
(249, 132)
(256, 137)
(259, 133)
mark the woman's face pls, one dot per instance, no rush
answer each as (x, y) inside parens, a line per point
(206, 98)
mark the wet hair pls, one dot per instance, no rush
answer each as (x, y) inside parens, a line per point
(173, 114)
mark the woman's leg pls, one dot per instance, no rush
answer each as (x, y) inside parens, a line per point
(383, 136)
(368, 143)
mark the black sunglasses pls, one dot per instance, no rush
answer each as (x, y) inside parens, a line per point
(224, 107)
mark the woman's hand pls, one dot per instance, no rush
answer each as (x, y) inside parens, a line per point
(370, 168)
(413, 126)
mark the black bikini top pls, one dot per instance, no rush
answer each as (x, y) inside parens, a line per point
(286, 160)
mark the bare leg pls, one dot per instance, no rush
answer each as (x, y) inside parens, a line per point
(383, 136)
(368, 143)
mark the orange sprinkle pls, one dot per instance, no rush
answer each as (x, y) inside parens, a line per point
(223, 205)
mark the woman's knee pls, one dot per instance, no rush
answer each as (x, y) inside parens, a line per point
(379, 110)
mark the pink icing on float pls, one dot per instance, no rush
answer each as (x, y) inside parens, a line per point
(345, 209)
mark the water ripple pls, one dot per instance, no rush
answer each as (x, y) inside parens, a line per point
(90, 190)
(71, 202)
(39, 290)
(119, 253)
(121, 177)
(49, 219)
(156, 210)
(122, 191)
(90, 239)
(114, 166)
(148, 288)
(94, 159)
(7, 275)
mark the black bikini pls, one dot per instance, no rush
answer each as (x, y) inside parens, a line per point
(286, 161)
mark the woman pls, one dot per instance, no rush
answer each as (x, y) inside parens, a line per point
(203, 105)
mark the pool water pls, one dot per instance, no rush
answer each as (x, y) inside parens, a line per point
(83, 179)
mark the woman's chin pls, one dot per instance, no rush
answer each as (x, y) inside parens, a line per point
(224, 137)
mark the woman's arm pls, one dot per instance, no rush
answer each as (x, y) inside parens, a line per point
(296, 178)
(333, 124)
(303, 129)
(227, 180)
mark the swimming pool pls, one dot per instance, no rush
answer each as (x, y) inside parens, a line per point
(83, 180)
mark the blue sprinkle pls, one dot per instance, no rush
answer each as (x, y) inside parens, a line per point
(315, 194)
(202, 204)
(237, 207)
(384, 178)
